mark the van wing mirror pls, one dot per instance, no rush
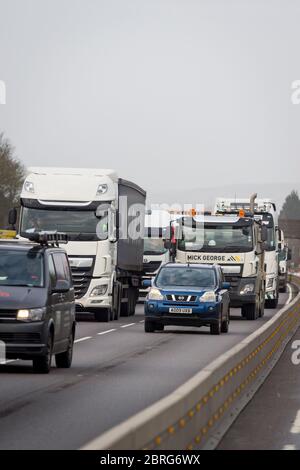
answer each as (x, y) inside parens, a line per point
(62, 286)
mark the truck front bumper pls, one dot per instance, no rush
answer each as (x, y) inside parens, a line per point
(87, 302)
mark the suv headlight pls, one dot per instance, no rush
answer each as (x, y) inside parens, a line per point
(32, 314)
(247, 289)
(208, 296)
(99, 290)
(155, 294)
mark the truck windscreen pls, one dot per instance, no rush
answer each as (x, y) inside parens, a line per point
(217, 238)
(78, 224)
(154, 246)
(23, 269)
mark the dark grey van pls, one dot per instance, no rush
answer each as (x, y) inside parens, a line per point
(37, 304)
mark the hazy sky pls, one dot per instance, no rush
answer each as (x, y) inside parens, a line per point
(171, 93)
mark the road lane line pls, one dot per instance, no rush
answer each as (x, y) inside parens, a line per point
(107, 331)
(142, 321)
(82, 339)
(295, 429)
(129, 324)
(289, 447)
(290, 295)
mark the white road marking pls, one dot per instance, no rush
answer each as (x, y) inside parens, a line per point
(126, 326)
(142, 321)
(290, 294)
(107, 331)
(295, 429)
(82, 339)
(289, 447)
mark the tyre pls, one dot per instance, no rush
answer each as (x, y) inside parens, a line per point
(272, 303)
(159, 327)
(250, 311)
(283, 289)
(215, 328)
(103, 315)
(149, 326)
(64, 360)
(225, 324)
(42, 364)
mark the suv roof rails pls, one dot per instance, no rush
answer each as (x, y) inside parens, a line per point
(53, 238)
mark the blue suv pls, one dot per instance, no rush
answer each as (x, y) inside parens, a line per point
(188, 295)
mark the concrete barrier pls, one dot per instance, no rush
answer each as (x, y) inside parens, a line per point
(197, 414)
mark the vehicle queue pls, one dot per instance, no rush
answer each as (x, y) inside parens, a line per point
(192, 267)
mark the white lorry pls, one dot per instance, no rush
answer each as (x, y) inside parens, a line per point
(264, 210)
(103, 217)
(283, 257)
(157, 231)
(234, 242)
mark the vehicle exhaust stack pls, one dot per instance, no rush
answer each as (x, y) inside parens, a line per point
(252, 199)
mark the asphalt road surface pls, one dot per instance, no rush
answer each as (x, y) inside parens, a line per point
(117, 371)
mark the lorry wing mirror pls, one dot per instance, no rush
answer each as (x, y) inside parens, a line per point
(289, 255)
(264, 233)
(168, 244)
(12, 217)
(226, 285)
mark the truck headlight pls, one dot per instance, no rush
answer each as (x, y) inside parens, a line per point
(99, 290)
(208, 296)
(155, 294)
(29, 186)
(102, 189)
(32, 314)
(247, 289)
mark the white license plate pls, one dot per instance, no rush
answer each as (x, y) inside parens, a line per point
(180, 310)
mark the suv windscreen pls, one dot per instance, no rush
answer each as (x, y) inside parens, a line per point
(21, 268)
(186, 277)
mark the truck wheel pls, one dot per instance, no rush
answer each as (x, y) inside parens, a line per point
(272, 303)
(64, 360)
(42, 365)
(283, 289)
(215, 328)
(116, 301)
(149, 326)
(250, 311)
(132, 300)
(103, 315)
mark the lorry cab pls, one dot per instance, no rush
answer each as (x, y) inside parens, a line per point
(37, 304)
(264, 210)
(236, 244)
(91, 206)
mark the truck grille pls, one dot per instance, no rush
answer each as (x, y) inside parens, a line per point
(81, 280)
(20, 338)
(151, 267)
(234, 280)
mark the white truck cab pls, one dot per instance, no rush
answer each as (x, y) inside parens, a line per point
(89, 206)
(264, 210)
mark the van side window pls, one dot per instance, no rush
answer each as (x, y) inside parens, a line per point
(62, 267)
(52, 272)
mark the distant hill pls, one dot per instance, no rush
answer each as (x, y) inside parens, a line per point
(207, 195)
